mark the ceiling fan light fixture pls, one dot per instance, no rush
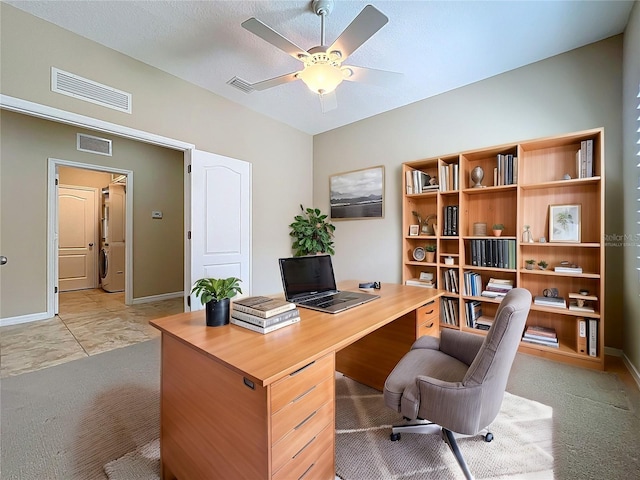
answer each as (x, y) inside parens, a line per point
(321, 77)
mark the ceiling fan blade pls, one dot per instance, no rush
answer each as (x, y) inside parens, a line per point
(363, 27)
(328, 101)
(274, 82)
(371, 75)
(268, 34)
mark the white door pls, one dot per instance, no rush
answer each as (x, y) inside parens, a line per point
(77, 238)
(220, 219)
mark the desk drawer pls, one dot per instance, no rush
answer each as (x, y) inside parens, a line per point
(428, 318)
(298, 383)
(300, 439)
(316, 461)
(301, 408)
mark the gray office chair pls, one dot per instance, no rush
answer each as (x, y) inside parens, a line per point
(457, 382)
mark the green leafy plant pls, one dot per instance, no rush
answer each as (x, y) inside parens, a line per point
(542, 264)
(208, 289)
(530, 262)
(312, 233)
(430, 248)
(498, 226)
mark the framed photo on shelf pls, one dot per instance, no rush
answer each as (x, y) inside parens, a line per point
(564, 223)
(414, 230)
(358, 194)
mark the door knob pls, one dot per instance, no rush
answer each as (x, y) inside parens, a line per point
(3, 260)
(91, 244)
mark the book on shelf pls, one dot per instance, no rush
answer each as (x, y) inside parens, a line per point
(493, 252)
(265, 322)
(263, 330)
(557, 302)
(418, 181)
(566, 269)
(546, 332)
(416, 282)
(582, 336)
(473, 311)
(536, 341)
(264, 307)
(584, 159)
(449, 310)
(483, 323)
(506, 171)
(592, 339)
(573, 305)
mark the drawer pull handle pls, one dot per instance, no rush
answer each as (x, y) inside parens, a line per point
(428, 326)
(428, 313)
(307, 471)
(305, 420)
(303, 394)
(301, 369)
(302, 449)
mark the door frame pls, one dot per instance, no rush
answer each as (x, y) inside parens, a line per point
(52, 228)
(45, 112)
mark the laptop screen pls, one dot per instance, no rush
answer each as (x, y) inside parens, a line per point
(303, 276)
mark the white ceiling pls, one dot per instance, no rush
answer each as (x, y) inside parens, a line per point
(437, 45)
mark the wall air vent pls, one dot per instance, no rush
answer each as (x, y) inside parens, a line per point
(241, 84)
(83, 89)
(88, 143)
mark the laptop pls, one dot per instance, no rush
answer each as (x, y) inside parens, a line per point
(309, 282)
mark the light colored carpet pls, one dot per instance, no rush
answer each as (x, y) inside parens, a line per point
(67, 422)
(522, 444)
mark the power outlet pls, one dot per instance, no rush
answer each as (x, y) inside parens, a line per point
(156, 214)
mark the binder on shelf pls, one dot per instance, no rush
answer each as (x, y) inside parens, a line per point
(582, 336)
(593, 337)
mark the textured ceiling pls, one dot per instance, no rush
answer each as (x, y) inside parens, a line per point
(437, 45)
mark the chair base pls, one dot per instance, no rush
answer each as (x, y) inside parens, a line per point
(447, 435)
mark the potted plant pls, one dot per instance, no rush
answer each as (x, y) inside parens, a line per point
(529, 264)
(497, 229)
(431, 252)
(214, 294)
(542, 265)
(312, 233)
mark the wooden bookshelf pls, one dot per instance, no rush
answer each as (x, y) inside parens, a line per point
(534, 180)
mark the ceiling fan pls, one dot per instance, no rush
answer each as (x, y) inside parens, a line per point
(323, 70)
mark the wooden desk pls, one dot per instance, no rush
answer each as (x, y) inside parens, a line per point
(238, 404)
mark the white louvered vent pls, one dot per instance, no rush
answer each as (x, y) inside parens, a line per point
(77, 87)
(88, 143)
(241, 84)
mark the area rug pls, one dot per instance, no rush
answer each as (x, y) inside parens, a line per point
(521, 448)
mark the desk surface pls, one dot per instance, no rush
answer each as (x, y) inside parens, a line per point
(266, 358)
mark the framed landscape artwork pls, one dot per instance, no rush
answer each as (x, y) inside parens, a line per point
(358, 194)
(564, 223)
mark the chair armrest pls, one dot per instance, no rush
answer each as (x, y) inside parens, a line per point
(450, 404)
(463, 346)
(426, 341)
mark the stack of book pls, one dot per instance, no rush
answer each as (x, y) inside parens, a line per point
(416, 282)
(263, 314)
(557, 302)
(584, 159)
(497, 288)
(541, 336)
(566, 267)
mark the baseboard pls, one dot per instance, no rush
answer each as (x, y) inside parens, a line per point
(157, 298)
(32, 317)
(632, 369)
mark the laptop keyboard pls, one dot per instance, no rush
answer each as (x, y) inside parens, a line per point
(319, 302)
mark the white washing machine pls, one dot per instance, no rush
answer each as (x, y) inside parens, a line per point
(112, 267)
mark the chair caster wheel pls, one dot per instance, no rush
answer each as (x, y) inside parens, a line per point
(394, 437)
(488, 437)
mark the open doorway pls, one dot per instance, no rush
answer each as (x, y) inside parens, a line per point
(84, 221)
(91, 230)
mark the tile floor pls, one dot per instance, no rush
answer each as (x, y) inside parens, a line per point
(89, 322)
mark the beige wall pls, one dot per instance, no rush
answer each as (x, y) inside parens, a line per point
(281, 156)
(158, 250)
(578, 90)
(631, 172)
